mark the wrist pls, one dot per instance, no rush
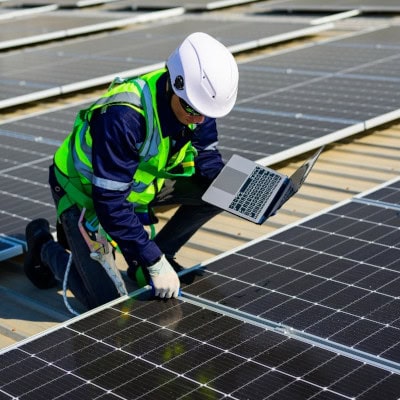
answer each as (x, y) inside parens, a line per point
(161, 267)
(156, 268)
(155, 261)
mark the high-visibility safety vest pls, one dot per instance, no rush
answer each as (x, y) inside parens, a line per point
(73, 160)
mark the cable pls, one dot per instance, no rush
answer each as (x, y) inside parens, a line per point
(67, 269)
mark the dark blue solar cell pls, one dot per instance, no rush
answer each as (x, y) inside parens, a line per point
(357, 382)
(315, 263)
(332, 324)
(372, 301)
(356, 332)
(386, 314)
(285, 310)
(380, 341)
(344, 297)
(387, 388)
(308, 317)
(321, 291)
(265, 302)
(332, 371)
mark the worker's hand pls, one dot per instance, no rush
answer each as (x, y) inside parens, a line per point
(165, 280)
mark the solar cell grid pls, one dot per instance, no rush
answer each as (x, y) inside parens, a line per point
(179, 349)
(24, 190)
(332, 276)
(386, 71)
(252, 75)
(255, 133)
(26, 150)
(325, 58)
(386, 38)
(389, 194)
(343, 99)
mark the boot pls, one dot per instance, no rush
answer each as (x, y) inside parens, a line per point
(37, 233)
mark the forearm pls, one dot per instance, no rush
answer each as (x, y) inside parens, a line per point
(119, 220)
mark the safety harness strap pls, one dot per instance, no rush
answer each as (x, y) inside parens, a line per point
(73, 194)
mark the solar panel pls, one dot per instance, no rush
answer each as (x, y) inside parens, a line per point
(62, 3)
(190, 4)
(56, 68)
(9, 10)
(373, 6)
(180, 349)
(63, 24)
(333, 277)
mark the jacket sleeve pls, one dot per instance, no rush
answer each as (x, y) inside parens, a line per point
(117, 133)
(209, 160)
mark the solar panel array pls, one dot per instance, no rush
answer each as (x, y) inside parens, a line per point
(68, 66)
(311, 312)
(288, 103)
(328, 90)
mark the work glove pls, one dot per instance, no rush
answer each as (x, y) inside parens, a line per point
(164, 278)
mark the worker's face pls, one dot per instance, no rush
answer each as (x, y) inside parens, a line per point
(184, 116)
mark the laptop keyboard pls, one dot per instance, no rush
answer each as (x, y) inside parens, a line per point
(250, 198)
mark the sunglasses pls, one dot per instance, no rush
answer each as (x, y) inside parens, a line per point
(188, 109)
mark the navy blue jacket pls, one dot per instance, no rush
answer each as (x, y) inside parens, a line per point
(117, 134)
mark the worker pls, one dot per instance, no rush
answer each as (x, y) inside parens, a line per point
(148, 141)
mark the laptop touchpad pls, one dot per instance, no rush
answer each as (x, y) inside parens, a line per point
(230, 180)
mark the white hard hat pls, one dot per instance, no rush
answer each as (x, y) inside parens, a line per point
(204, 73)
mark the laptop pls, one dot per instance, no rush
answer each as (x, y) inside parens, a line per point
(254, 192)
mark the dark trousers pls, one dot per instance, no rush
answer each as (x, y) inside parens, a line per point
(190, 216)
(87, 280)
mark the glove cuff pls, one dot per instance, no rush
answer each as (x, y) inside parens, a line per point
(160, 267)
